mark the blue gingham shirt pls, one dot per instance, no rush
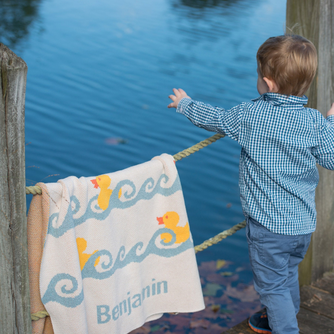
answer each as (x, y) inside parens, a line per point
(281, 143)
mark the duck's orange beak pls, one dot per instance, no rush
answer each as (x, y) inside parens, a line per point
(95, 183)
(160, 220)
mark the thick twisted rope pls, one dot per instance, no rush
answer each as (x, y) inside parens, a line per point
(197, 147)
(34, 190)
(39, 315)
(219, 237)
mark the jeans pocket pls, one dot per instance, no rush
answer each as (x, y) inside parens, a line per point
(254, 231)
(249, 239)
(275, 249)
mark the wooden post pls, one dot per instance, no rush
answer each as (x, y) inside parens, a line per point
(14, 280)
(313, 19)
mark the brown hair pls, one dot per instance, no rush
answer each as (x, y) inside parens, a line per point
(290, 61)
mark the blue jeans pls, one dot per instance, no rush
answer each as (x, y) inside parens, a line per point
(274, 259)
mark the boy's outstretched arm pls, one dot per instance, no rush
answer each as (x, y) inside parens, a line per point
(206, 116)
(179, 95)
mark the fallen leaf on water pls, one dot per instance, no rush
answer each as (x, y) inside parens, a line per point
(247, 294)
(199, 323)
(216, 328)
(211, 289)
(210, 267)
(215, 308)
(226, 273)
(155, 328)
(225, 310)
(220, 264)
(216, 278)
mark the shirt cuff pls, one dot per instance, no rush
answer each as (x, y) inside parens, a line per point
(183, 104)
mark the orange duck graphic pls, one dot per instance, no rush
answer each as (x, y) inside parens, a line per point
(170, 220)
(83, 257)
(103, 182)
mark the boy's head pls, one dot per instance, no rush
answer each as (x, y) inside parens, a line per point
(289, 61)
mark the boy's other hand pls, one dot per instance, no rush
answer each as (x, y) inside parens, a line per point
(179, 95)
(330, 111)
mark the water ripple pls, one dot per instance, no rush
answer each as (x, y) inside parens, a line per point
(100, 70)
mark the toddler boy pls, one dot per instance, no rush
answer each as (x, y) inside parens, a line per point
(281, 142)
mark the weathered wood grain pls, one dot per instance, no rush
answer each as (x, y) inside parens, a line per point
(326, 283)
(242, 328)
(316, 314)
(313, 19)
(313, 323)
(317, 301)
(14, 281)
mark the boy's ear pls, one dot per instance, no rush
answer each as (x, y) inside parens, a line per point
(271, 85)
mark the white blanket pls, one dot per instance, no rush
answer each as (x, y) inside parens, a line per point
(118, 251)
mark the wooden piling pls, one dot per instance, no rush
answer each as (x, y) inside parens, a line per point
(313, 19)
(14, 280)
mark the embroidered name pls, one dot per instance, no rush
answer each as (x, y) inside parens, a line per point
(105, 314)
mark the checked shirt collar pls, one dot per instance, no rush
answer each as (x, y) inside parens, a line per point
(284, 101)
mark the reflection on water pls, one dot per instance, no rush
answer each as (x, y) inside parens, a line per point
(209, 20)
(99, 77)
(212, 10)
(205, 3)
(16, 19)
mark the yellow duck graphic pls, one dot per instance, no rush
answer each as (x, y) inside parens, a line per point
(83, 258)
(103, 182)
(170, 220)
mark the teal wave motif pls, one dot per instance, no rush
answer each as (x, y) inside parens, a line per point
(147, 191)
(135, 254)
(51, 294)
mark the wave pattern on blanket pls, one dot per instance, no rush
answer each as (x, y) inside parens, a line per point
(118, 250)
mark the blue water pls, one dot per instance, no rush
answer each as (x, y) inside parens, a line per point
(99, 76)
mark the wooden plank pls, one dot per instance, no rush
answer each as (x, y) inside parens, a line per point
(308, 321)
(14, 287)
(242, 328)
(323, 239)
(326, 283)
(313, 20)
(317, 309)
(317, 301)
(311, 323)
(7, 311)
